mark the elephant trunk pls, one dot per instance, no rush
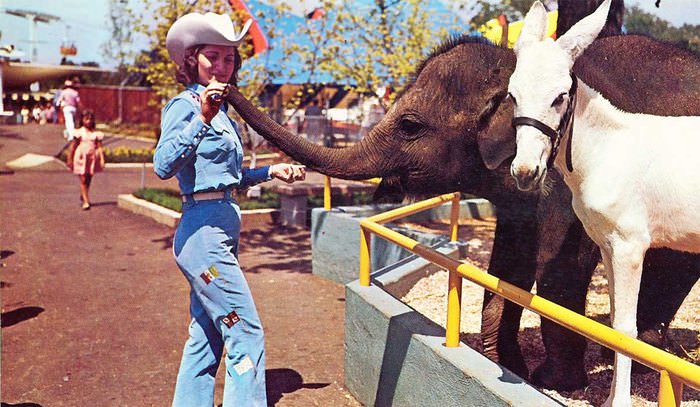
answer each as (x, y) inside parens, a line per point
(352, 163)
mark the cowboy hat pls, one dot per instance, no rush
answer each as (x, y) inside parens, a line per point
(197, 29)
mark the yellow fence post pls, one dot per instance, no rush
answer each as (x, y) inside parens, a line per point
(454, 218)
(670, 390)
(327, 192)
(365, 236)
(454, 309)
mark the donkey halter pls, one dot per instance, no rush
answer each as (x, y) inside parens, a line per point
(566, 126)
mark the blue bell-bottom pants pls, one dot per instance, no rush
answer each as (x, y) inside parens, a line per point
(222, 310)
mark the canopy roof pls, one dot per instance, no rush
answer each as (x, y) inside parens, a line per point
(18, 75)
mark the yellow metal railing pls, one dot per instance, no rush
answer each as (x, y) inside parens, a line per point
(675, 372)
(327, 190)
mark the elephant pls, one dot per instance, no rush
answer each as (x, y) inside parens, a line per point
(446, 132)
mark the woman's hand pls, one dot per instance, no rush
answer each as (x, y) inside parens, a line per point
(288, 172)
(211, 100)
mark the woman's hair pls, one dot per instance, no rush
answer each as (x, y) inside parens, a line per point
(188, 73)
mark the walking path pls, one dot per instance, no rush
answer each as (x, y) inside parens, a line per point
(94, 310)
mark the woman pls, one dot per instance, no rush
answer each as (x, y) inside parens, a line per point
(201, 146)
(86, 156)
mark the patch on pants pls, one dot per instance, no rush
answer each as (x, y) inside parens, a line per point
(244, 365)
(231, 319)
(209, 274)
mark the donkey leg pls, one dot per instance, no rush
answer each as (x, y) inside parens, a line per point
(625, 275)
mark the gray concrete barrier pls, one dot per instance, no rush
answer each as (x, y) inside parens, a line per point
(395, 356)
(335, 236)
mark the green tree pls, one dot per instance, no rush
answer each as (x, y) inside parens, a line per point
(120, 22)
(379, 43)
(640, 22)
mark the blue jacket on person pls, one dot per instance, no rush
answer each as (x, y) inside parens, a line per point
(202, 157)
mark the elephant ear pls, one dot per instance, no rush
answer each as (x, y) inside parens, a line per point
(496, 136)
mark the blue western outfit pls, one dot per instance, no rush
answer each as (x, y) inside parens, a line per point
(209, 158)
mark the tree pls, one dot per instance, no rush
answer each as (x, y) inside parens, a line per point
(379, 44)
(120, 22)
(641, 22)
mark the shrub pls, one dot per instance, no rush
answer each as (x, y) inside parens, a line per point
(170, 198)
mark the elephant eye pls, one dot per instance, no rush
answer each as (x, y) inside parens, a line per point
(410, 127)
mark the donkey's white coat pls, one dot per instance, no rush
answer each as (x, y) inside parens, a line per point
(636, 177)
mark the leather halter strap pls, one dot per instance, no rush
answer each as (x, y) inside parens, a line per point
(566, 126)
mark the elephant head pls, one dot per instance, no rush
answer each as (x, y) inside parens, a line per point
(438, 137)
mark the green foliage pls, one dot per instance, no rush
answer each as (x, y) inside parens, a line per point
(165, 197)
(121, 155)
(170, 198)
(128, 155)
(640, 22)
(380, 44)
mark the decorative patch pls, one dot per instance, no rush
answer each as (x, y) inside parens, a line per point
(210, 274)
(231, 319)
(245, 365)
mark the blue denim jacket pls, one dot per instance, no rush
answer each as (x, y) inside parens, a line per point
(202, 157)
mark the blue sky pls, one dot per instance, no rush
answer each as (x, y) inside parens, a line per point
(84, 22)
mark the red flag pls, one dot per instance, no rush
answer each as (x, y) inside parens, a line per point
(259, 40)
(316, 14)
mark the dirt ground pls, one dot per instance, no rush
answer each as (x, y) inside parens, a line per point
(429, 297)
(95, 311)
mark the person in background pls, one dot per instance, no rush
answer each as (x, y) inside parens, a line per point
(86, 156)
(314, 122)
(201, 146)
(69, 101)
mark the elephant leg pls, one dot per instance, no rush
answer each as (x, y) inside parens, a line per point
(564, 280)
(566, 260)
(667, 278)
(513, 260)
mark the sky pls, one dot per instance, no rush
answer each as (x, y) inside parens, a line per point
(84, 23)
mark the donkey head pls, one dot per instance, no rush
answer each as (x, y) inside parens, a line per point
(542, 89)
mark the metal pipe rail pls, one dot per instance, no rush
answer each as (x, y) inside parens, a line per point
(675, 372)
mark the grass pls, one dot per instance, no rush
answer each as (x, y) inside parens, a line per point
(170, 198)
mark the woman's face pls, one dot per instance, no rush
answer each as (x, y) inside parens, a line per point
(215, 63)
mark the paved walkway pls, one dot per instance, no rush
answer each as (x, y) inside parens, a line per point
(94, 310)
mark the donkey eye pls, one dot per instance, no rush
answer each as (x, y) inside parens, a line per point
(559, 100)
(512, 98)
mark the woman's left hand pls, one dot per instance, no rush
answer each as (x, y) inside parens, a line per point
(288, 172)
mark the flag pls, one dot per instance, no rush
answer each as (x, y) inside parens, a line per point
(259, 40)
(316, 14)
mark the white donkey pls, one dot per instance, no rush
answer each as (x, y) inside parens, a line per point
(635, 178)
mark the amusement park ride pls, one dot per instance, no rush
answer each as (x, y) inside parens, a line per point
(18, 70)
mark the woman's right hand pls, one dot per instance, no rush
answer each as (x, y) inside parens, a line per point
(211, 100)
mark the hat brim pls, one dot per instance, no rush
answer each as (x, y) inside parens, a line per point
(202, 29)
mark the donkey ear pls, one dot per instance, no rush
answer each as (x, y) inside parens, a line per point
(496, 137)
(583, 33)
(534, 27)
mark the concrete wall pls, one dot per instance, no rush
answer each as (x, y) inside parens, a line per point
(335, 237)
(395, 356)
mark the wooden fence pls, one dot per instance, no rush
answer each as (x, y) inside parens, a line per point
(135, 105)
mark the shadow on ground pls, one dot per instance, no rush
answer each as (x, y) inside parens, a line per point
(19, 315)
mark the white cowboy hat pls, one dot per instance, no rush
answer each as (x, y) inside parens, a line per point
(196, 29)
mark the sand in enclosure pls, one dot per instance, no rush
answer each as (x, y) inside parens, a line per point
(429, 297)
